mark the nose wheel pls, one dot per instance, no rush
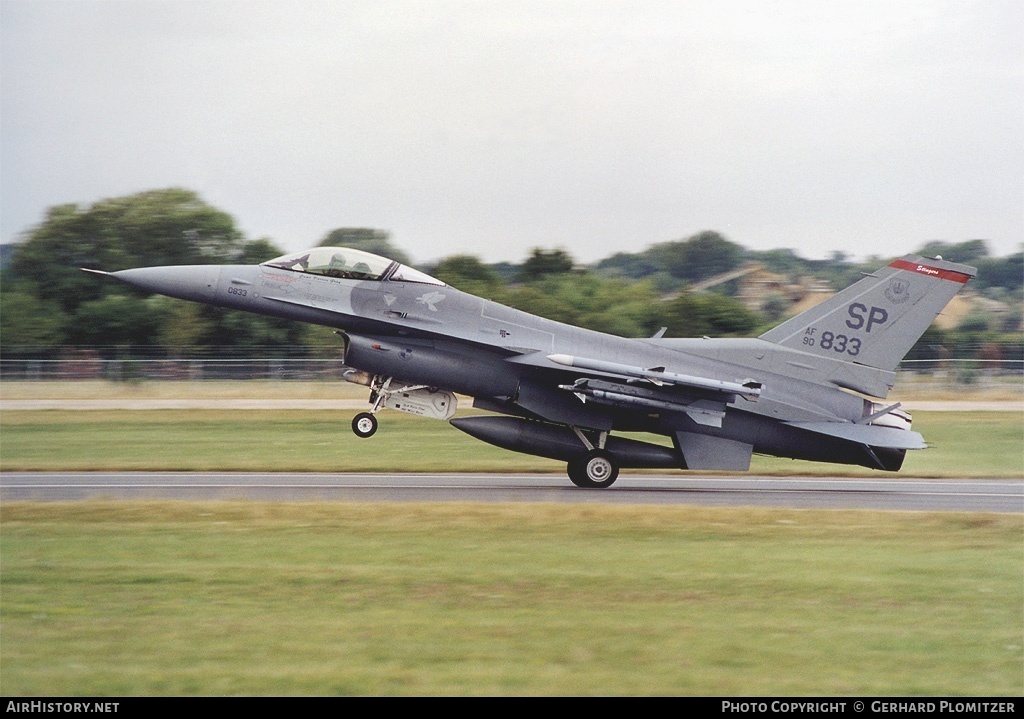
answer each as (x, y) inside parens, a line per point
(364, 425)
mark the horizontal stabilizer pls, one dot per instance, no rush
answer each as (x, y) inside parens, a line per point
(871, 435)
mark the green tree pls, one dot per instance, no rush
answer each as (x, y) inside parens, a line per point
(1007, 272)
(542, 262)
(464, 267)
(933, 344)
(587, 300)
(159, 227)
(257, 332)
(468, 274)
(193, 329)
(258, 251)
(692, 314)
(704, 255)
(185, 327)
(968, 252)
(116, 319)
(624, 264)
(697, 258)
(28, 325)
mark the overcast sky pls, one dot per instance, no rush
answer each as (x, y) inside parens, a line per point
(493, 127)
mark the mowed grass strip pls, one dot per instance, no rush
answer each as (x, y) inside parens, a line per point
(964, 444)
(117, 599)
(210, 440)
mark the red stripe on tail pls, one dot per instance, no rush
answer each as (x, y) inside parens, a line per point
(930, 271)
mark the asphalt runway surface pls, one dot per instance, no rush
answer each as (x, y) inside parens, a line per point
(894, 494)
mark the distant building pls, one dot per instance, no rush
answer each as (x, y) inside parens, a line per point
(780, 296)
(767, 292)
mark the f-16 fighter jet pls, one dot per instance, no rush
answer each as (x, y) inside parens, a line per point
(811, 388)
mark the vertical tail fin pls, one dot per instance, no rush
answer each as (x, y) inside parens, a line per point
(877, 320)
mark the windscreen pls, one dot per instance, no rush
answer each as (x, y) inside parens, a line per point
(340, 262)
(408, 274)
(349, 264)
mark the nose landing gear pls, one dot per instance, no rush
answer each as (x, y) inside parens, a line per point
(417, 399)
(364, 425)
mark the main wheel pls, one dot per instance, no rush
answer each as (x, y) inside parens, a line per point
(577, 474)
(364, 424)
(598, 469)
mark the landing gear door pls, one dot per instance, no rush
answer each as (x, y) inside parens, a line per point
(422, 402)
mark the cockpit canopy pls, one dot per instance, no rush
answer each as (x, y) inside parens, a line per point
(348, 264)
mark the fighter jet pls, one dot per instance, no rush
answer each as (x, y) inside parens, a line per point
(806, 389)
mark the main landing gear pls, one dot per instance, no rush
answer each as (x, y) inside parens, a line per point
(596, 469)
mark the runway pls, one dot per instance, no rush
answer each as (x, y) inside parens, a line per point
(949, 495)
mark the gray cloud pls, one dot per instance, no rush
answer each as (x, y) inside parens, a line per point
(489, 128)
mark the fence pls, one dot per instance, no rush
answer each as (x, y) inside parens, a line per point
(132, 370)
(966, 373)
(946, 372)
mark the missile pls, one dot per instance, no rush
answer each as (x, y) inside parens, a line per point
(618, 398)
(748, 389)
(560, 442)
(706, 412)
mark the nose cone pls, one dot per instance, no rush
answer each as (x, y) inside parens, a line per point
(189, 282)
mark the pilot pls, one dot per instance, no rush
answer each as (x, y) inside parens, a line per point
(337, 267)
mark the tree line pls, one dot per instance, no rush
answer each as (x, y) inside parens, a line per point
(47, 304)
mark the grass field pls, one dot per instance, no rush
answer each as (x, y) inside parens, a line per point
(120, 599)
(965, 444)
(202, 598)
(908, 387)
